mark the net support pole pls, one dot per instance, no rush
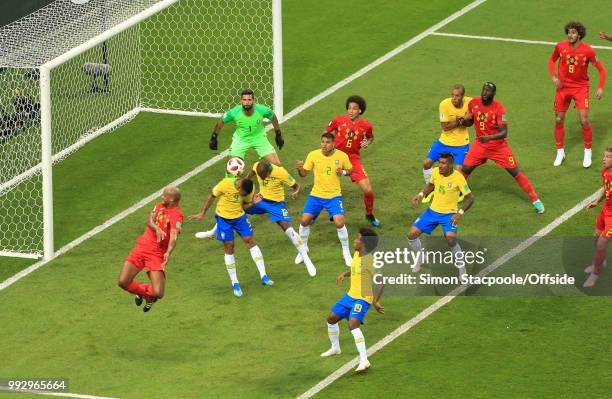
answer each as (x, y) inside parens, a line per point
(277, 38)
(46, 162)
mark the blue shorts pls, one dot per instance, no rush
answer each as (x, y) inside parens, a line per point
(333, 206)
(226, 227)
(429, 220)
(348, 307)
(277, 211)
(459, 152)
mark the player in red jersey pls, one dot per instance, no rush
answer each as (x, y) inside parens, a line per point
(152, 250)
(352, 133)
(491, 125)
(572, 83)
(603, 224)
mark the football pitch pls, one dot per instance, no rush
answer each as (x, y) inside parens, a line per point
(69, 319)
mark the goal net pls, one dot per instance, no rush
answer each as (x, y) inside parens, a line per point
(71, 72)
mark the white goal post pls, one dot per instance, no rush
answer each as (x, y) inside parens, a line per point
(152, 50)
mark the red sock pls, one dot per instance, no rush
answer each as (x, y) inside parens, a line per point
(587, 135)
(368, 200)
(600, 256)
(144, 290)
(523, 181)
(559, 135)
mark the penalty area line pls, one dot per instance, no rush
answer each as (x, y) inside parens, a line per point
(348, 366)
(507, 39)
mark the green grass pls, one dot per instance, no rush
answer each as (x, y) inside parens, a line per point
(69, 318)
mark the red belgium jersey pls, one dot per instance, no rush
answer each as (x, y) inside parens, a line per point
(349, 135)
(574, 64)
(488, 118)
(607, 186)
(166, 219)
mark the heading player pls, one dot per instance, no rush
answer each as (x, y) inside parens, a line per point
(235, 195)
(271, 200)
(603, 224)
(327, 164)
(454, 137)
(250, 133)
(572, 83)
(448, 184)
(152, 250)
(491, 125)
(352, 133)
(354, 305)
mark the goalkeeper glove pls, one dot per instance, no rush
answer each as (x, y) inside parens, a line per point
(279, 140)
(213, 142)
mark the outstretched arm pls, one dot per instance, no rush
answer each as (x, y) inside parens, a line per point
(605, 36)
(213, 145)
(207, 204)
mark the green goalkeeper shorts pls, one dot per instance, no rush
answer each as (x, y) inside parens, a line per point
(240, 146)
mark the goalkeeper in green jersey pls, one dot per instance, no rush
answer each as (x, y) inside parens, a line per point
(250, 133)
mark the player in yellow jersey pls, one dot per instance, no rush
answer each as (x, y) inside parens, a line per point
(327, 164)
(271, 200)
(356, 302)
(454, 137)
(235, 196)
(447, 183)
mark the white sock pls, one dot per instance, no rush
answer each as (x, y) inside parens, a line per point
(427, 174)
(230, 265)
(344, 239)
(214, 229)
(294, 237)
(304, 233)
(560, 151)
(360, 344)
(259, 260)
(296, 241)
(333, 331)
(457, 250)
(415, 244)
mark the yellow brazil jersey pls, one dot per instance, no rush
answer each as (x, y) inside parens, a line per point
(326, 181)
(272, 187)
(449, 113)
(229, 205)
(362, 273)
(447, 190)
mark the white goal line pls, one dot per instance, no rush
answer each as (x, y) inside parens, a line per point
(507, 39)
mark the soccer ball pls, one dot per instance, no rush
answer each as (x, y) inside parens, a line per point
(235, 166)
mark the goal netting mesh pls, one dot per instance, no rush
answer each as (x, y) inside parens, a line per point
(193, 56)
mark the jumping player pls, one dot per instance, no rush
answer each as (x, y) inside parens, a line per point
(152, 250)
